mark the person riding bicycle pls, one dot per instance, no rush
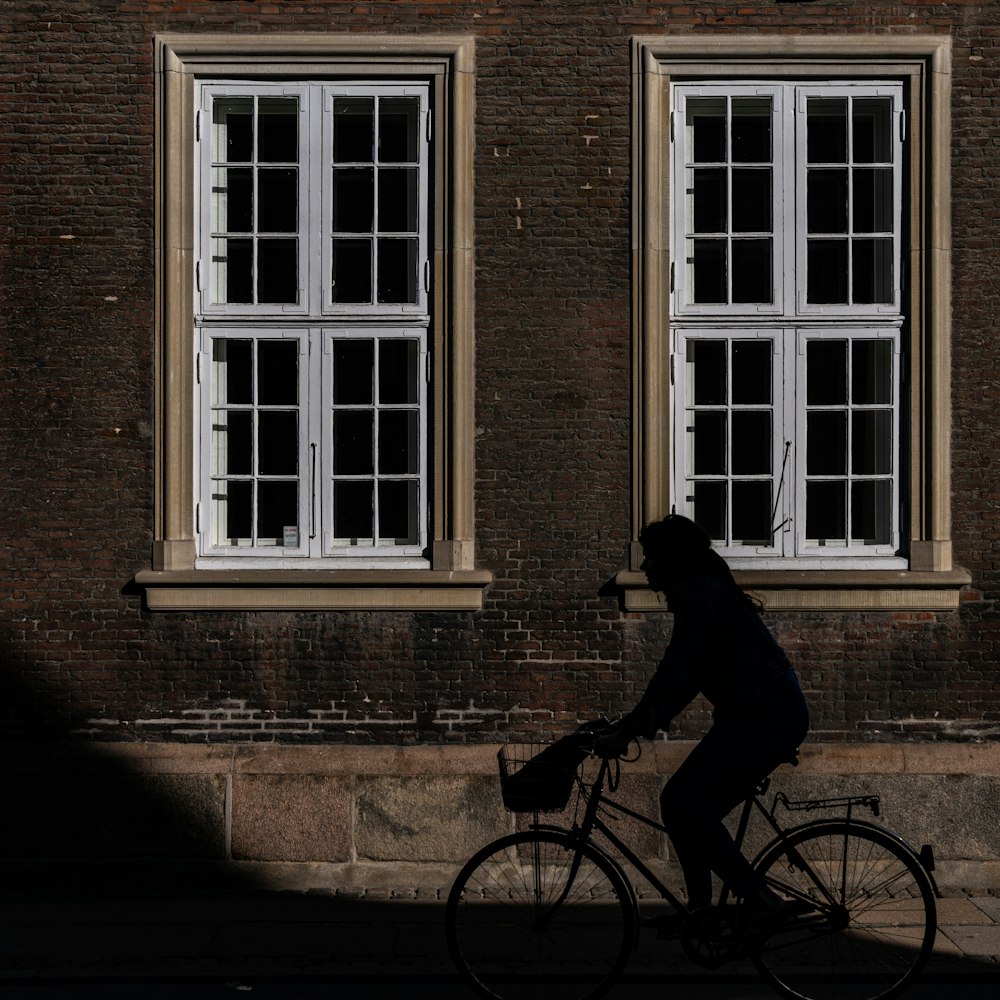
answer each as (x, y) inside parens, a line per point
(720, 648)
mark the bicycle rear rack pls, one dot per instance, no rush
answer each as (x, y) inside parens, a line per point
(848, 802)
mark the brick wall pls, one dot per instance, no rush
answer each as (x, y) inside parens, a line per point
(78, 654)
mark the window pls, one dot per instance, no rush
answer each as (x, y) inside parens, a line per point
(314, 431)
(791, 312)
(787, 319)
(313, 439)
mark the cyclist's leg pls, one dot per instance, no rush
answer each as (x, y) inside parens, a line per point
(733, 758)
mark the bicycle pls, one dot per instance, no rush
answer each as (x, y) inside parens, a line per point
(546, 911)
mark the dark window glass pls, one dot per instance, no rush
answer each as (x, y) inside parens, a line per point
(278, 130)
(353, 130)
(826, 265)
(709, 359)
(353, 372)
(826, 201)
(752, 512)
(752, 371)
(353, 199)
(277, 271)
(826, 130)
(826, 372)
(870, 511)
(826, 443)
(751, 201)
(709, 443)
(277, 509)
(397, 371)
(239, 511)
(826, 511)
(751, 444)
(710, 508)
(352, 271)
(277, 372)
(278, 201)
(353, 436)
(398, 130)
(278, 443)
(710, 200)
(397, 270)
(353, 509)
(752, 279)
(709, 271)
(397, 509)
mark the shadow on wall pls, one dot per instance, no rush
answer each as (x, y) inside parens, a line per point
(109, 871)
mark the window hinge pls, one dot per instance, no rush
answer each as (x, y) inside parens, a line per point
(902, 125)
(672, 265)
(428, 125)
(673, 358)
(197, 126)
(197, 369)
(427, 275)
(197, 275)
(672, 116)
(197, 518)
(427, 367)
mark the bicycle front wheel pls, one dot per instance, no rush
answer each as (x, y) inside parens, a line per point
(539, 914)
(868, 920)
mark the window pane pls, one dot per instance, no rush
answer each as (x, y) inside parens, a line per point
(397, 442)
(232, 270)
(353, 372)
(871, 442)
(278, 201)
(397, 512)
(353, 437)
(752, 280)
(752, 513)
(871, 271)
(706, 124)
(397, 129)
(709, 260)
(826, 202)
(353, 511)
(232, 129)
(708, 200)
(872, 130)
(710, 508)
(277, 510)
(232, 371)
(826, 372)
(826, 512)
(751, 130)
(353, 200)
(353, 130)
(709, 451)
(751, 201)
(277, 271)
(751, 371)
(751, 444)
(871, 371)
(397, 270)
(707, 371)
(278, 130)
(397, 371)
(826, 443)
(870, 512)
(872, 200)
(826, 130)
(397, 201)
(352, 271)
(277, 372)
(232, 513)
(232, 443)
(232, 200)
(278, 443)
(826, 265)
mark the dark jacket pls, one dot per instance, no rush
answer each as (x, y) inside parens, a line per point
(719, 648)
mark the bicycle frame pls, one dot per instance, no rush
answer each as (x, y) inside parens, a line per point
(596, 802)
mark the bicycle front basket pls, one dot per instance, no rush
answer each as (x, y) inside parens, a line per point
(533, 781)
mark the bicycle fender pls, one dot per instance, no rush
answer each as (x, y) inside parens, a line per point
(865, 824)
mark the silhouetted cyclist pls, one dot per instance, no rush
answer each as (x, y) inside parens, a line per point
(721, 649)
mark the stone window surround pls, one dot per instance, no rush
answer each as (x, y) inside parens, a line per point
(932, 582)
(452, 582)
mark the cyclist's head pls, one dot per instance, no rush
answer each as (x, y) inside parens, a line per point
(672, 548)
(674, 536)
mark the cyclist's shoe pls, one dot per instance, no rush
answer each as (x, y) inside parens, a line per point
(668, 926)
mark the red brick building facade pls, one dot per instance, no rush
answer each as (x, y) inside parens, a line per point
(543, 303)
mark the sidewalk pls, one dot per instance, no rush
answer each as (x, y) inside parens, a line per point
(348, 935)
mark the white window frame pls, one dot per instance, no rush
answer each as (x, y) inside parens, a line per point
(315, 157)
(930, 580)
(788, 102)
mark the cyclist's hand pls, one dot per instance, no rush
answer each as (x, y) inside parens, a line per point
(614, 742)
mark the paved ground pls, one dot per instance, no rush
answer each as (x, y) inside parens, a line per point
(383, 944)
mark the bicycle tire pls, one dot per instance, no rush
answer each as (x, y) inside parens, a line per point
(873, 918)
(508, 941)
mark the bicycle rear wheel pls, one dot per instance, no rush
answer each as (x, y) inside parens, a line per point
(869, 920)
(538, 914)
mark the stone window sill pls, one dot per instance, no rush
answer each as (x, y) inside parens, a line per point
(305, 590)
(826, 590)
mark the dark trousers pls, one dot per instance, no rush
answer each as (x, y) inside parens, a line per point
(737, 753)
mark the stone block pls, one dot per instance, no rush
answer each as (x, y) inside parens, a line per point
(291, 817)
(428, 818)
